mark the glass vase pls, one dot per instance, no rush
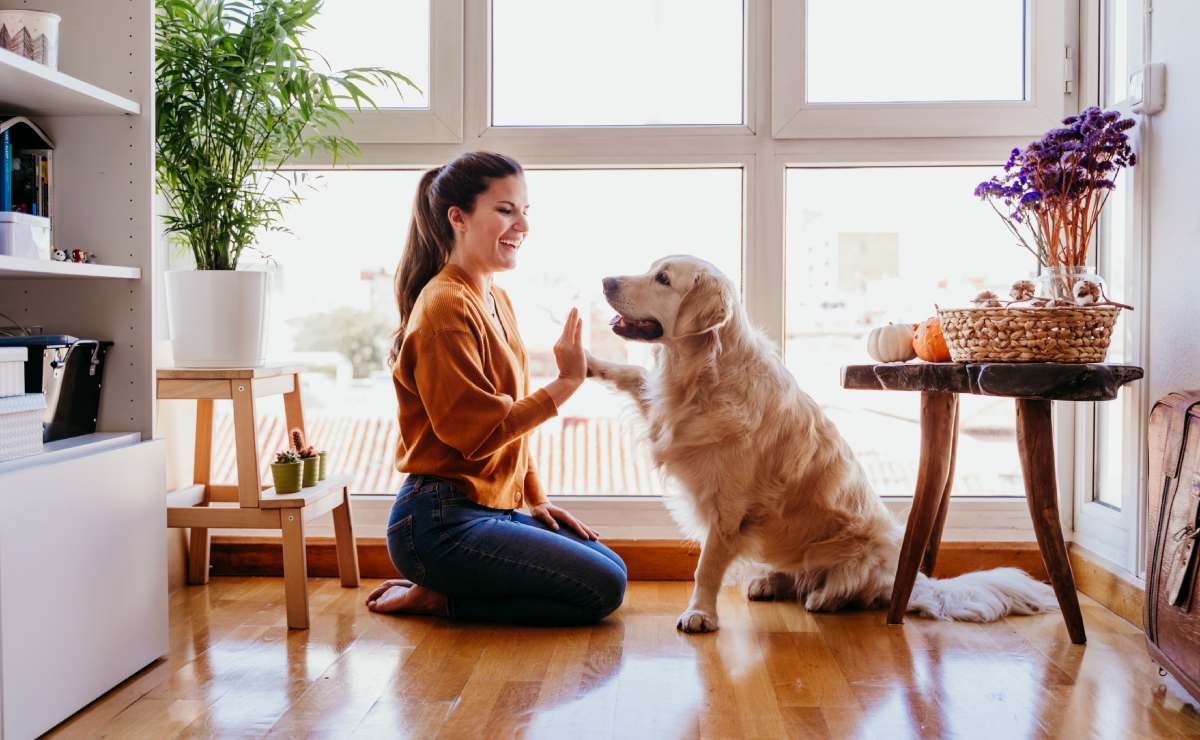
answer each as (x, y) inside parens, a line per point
(1059, 284)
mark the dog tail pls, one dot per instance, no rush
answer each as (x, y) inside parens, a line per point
(983, 596)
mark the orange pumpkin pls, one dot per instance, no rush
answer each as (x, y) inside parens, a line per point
(929, 342)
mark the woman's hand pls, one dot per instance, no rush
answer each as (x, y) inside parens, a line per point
(551, 516)
(568, 350)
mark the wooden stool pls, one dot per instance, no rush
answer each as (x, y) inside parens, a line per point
(258, 506)
(1034, 385)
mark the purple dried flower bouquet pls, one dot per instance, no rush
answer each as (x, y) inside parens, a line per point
(1053, 191)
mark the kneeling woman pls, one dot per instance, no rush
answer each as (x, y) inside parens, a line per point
(461, 378)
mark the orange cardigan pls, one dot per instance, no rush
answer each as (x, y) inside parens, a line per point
(463, 392)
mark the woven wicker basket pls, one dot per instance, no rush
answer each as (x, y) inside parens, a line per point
(1065, 334)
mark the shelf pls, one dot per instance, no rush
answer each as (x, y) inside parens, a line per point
(71, 448)
(23, 267)
(34, 89)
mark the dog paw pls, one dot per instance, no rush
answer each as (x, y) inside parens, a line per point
(594, 369)
(776, 586)
(694, 620)
(761, 589)
(819, 601)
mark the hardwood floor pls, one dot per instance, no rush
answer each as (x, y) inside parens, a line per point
(235, 670)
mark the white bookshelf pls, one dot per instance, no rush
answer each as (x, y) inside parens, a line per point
(93, 507)
(27, 87)
(31, 269)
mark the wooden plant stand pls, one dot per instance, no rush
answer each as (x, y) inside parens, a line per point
(258, 506)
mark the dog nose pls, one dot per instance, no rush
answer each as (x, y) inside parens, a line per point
(610, 285)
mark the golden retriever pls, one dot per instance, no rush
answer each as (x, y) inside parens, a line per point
(765, 475)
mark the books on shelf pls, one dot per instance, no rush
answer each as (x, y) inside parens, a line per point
(26, 189)
(26, 168)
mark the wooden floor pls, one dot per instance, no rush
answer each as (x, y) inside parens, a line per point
(234, 670)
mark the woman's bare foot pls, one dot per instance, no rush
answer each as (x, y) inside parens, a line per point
(405, 597)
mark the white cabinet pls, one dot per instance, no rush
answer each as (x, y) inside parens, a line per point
(83, 598)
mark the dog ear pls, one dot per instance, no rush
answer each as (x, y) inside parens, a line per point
(707, 306)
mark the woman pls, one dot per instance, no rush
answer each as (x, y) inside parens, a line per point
(461, 379)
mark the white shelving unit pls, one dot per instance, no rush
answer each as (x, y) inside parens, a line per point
(91, 509)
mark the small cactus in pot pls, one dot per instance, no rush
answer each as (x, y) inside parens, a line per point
(287, 472)
(308, 456)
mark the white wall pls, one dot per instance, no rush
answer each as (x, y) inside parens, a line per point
(1174, 162)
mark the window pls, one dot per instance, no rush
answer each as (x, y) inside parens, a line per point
(873, 245)
(991, 35)
(654, 150)
(585, 225)
(1110, 437)
(935, 68)
(378, 33)
(617, 63)
(421, 39)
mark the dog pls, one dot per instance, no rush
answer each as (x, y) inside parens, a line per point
(765, 474)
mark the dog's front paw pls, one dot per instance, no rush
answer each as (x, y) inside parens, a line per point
(694, 620)
(594, 366)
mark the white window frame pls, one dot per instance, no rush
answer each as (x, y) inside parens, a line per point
(442, 120)
(1117, 534)
(1046, 74)
(764, 159)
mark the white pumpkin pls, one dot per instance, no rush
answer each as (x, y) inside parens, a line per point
(891, 343)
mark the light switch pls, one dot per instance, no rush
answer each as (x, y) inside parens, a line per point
(1148, 89)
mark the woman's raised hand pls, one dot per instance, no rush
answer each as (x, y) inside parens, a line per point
(568, 350)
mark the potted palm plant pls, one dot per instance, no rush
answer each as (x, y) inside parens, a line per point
(237, 96)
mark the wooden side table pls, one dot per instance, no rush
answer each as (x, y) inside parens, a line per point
(1034, 386)
(258, 506)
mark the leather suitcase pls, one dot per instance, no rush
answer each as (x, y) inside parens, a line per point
(1172, 608)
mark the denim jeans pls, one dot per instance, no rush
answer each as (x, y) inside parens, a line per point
(499, 565)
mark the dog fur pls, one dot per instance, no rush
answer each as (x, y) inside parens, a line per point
(765, 474)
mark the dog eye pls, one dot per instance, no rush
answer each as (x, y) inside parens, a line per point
(662, 278)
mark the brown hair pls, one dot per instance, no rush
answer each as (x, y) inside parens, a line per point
(430, 235)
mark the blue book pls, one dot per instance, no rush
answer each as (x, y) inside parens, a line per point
(5, 171)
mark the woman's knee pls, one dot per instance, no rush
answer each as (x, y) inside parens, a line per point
(609, 583)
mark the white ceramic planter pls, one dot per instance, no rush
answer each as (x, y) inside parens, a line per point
(217, 317)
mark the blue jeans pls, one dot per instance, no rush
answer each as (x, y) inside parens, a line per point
(499, 565)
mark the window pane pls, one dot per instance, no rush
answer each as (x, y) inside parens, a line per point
(870, 246)
(1116, 50)
(1110, 416)
(333, 310)
(883, 51)
(393, 34)
(588, 224)
(616, 63)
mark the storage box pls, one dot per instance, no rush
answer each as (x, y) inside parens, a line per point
(12, 370)
(32, 34)
(21, 425)
(23, 235)
(68, 371)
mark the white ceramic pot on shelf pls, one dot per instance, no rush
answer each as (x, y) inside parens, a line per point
(32, 34)
(217, 317)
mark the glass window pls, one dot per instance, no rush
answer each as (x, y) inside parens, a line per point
(616, 63)
(1116, 50)
(1110, 416)
(333, 309)
(393, 34)
(869, 246)
(936, 50)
